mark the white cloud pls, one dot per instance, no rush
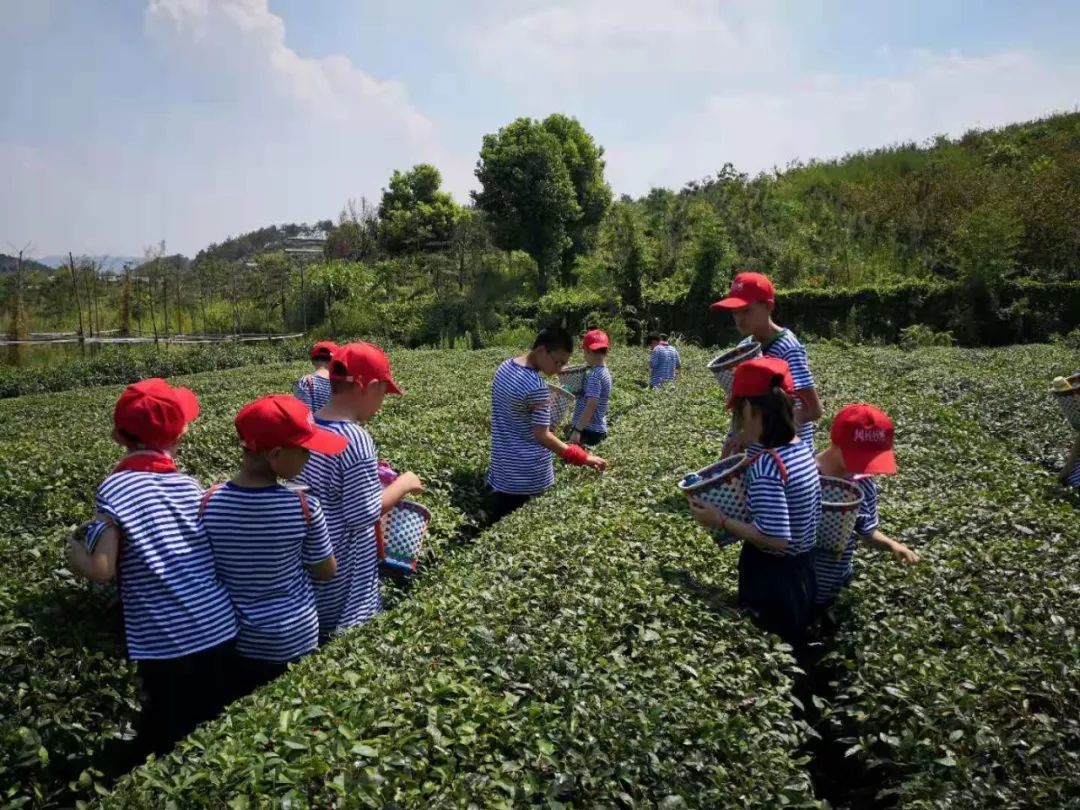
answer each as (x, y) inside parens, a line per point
(828, 116)
(575, 41)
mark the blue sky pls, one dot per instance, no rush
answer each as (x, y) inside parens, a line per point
(131, 121)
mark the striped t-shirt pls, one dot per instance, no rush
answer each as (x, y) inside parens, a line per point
(663, 361)
(1074, 476)
(262, 540)
(598, 387)
(313, 391)
(347, 486)
(834, 573)
(786, 509)
(788, 348)
(519, 402)
(173, 603)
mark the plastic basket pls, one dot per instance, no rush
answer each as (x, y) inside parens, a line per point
(722, 485)
(573, 379)
(399, 536)
(561, 405)
(723, 366)
(1069, 401)
(840, 501)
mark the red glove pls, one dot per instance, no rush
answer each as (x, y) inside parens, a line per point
(575, 454)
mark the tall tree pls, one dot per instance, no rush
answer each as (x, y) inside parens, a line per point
(414, 215)
(543, 190)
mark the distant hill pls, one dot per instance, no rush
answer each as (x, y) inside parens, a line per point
(112, 264)
(246, 245)
(9, 263)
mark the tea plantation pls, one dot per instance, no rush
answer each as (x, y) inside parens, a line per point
(584, 651)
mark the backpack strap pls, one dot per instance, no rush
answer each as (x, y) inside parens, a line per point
(304, 506)
(776, 458)
(311, 389)
(206, 496)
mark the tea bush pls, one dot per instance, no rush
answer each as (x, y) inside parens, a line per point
(126, 364)
(67, 698)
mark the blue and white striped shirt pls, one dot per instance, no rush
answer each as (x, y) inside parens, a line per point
(663, 361)
(519, 402)
(788, 348)
(348, 488)
(598, 387)
(262, 541)
(834, 573)
(173, 603)
(787, 510)
(313, 391)
(1074, 476)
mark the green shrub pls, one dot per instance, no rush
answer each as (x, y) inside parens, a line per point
(918, 336)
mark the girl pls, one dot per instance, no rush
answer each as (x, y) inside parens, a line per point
(1070, 474)
(590, 426)
(751, 303)
(314, 389)
(776, 570)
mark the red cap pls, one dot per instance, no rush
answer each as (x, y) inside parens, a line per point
(756, 377)
(596, 339)
(864, 435)
(363, 363)
(746, 288)
(280, 420)
(323, 350)
(154, 413)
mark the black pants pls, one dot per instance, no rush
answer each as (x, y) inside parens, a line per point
(591, 438)
(780, 590)
(245, 674)
(503, 503)
(180, 693)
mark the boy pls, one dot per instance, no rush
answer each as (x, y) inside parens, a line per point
(178, 621)
(348, 488)
(521, 438)
(314, 389)
(589, 426)
(862, 447)
(664, 361)
(751, 302)
(267, 539)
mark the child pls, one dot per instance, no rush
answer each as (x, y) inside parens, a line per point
(348, 488)
(521, 438)
(1070, 473)
(751, 302)
(314, 389)
(664, 361)
(178, 620)
(589, 426)
(267, 539)
(776, 569)
(862, 447)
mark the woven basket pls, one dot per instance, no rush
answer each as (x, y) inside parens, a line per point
(723, 485)
(573, 379)
(840, 500)
(399, 536)
(723, 366)
(1069, 401)
(561, 405)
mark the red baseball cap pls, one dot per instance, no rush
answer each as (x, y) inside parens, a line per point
(596, 339)
(154, 413)
(746, 288)
(864, 435)
(323, 350)
(363, 363)
(280, 420)
(756, 377)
